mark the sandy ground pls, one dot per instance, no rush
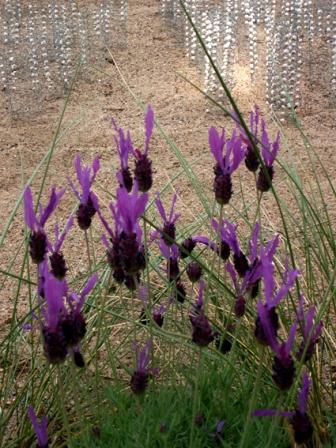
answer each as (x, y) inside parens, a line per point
(150, 64)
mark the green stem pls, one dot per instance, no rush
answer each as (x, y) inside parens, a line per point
(252, 400)
(196, 399)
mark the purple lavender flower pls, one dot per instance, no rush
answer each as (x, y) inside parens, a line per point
(64, 325)
(57, 262)
(202, 333)
(194, 271)
(298, 419)
(88, 200)
(269, 153)
(168, 229)
(218, 434)
(226, 164)
(251, 159)
(187, 247)
(272, 298)
(131, 207)
(229, 236)
(41, 429)
(142, 374)
(311, 334)
(125, 148)
(38, 241)
(143, 165)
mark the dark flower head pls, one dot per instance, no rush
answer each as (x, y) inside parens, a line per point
(63, 327)
(298, 419)
(74, 328)
(57, 262)
(194, 271)
(269, 153)
(239, 307)
(88, 200)
(142, 373)
(240, 263)
(265, 178)
(199, 420)
(283, 371)
(58, 266)
(202, 333)
(224, 250)
(259, 331)
(169, 220)
(54, 345)
(143, 165)
(187, 247)
(41, 429)
(38, 242)
(125, 148)
(226, 164)
(251, 158)
(131, 281)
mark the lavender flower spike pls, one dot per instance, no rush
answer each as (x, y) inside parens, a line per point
(143, 165)
(88, 200)
(298, 419)
(38, 242)
(168, 230)
(251, 159)
(125, 148)
(269, 154)
(39, 428)
(142, 374)
(225, 164)
(202, 333)
(57, 262)
(311, 334)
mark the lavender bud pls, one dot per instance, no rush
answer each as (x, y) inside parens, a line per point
(58, 266)
(127, 179)
(37, 246)
(187, 247)
(224, 250)
(263, 183)
(173, 269)
(259, 330)
(239, 308)
(302, 427)
(143, 173)
(168, 233)
(194, 271)
(223, 188)
(202, 333)
(251, 160)
(54, 345)
(74, 328)
(283, 372)
(129, 249)
(240, 263)
(139, 381)
(309, 351)
(85, 213)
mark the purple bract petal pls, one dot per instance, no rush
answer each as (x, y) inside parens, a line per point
(304, 392)
(149, 124)
(54, 199)
(39, 428)
(29, 213)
